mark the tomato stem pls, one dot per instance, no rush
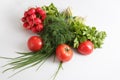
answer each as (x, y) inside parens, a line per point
(67, 49)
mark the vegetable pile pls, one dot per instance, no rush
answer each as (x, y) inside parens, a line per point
(58, 32)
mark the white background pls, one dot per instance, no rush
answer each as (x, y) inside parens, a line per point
(102, 64)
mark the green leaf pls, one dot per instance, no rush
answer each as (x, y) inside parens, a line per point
(76, 42)
(83, 38)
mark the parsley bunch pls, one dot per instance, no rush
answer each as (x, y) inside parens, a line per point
(83, 32)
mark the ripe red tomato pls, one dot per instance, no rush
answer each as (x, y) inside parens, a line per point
(64, 52)
(86, 47)
(35, 43)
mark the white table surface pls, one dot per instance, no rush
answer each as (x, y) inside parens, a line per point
(102, 64)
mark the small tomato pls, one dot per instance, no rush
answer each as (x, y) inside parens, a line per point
(35, 43)
(64, 52)
(86, 47)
